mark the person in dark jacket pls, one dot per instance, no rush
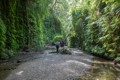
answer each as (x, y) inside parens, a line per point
(57, 44)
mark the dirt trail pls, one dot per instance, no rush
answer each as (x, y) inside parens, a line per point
(53, 66)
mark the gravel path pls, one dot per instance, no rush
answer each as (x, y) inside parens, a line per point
(53, 66)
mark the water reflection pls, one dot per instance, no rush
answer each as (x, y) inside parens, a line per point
(102, 70)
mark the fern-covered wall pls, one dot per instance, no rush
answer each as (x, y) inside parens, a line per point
(22, 25)
(96, 25)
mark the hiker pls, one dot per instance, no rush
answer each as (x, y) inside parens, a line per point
(57, 44)
(62, 43)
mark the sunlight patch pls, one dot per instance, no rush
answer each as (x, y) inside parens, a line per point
(88, 60)
(78, 52)
(19, 73)
(78, 62)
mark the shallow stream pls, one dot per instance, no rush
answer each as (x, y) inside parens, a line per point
(102, 70)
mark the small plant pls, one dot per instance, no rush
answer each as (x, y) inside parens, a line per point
(4, 56)
(117, 59)
(65, 51)
(10, 53)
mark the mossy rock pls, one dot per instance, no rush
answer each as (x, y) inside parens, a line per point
(65, 51)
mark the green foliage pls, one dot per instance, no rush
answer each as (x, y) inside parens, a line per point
(57, 38)
(4, 56)
(52, 26)
(73, 41)
(97, 27)
(22, 25)
(98, 50)
(9, 53)
(117, 59)
(2, 38)
(32, 23)
(11, 30)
